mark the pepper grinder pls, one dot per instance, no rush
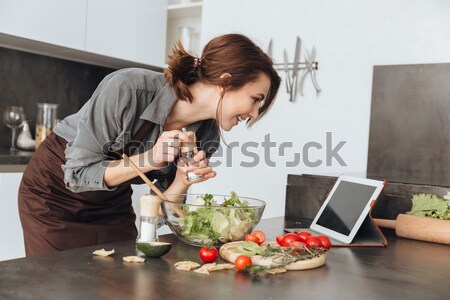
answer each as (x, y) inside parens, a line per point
(149, 218)
(188, 151)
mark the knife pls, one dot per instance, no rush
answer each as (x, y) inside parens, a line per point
(308, 63)
(288, 78)
(295, 68)
(313, 71)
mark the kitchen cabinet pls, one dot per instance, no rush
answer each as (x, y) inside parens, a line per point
(59, 22)
(10, 229)
(133, 30)
(188, 15)
(112, 33)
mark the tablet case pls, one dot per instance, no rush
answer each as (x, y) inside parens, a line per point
(308, 192)
(368, 235)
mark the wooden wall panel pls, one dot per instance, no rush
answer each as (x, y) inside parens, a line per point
(410, 124)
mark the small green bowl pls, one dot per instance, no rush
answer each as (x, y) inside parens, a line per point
(154, 249)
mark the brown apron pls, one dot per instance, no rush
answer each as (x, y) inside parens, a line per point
(55, 218)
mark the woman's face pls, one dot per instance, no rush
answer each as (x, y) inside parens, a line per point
(242, 104)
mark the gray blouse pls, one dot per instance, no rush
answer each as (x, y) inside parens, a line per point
(110, 118)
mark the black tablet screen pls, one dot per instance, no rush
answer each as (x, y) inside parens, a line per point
(345, 206)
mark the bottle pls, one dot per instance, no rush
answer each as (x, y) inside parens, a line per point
(45, 121)
(149, 218)
(24, 140)
(188, 151)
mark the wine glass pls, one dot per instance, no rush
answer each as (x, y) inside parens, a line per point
(13, 118)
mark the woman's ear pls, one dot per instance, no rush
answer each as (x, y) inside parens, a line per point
(223, 87)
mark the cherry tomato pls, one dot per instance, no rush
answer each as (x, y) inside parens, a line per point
(313, 242)
(251, 237)
(242, 261)
(297, 244)
(289, 238)
(208, 255)
(326, 243)
(279, 240)
(303, 235)
(261, 236)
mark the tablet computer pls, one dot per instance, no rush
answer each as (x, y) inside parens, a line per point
(346, 207)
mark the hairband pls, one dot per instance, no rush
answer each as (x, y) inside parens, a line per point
(197, 62)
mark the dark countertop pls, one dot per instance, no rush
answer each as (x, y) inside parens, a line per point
(14, 161)
(406, 269)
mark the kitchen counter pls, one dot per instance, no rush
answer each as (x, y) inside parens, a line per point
(14, 161)
(406, 269)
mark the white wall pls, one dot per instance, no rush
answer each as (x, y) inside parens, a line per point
(351, 37)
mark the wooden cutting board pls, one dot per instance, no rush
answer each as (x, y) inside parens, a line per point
(229, 253)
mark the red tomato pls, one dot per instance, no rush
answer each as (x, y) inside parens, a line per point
(326, 243)
(208, 255)
(242, 261)
(303, 235)
(289, 238)
(261, 236)
(251, 237)
(297, 244)
(279, 239)
(313, 242)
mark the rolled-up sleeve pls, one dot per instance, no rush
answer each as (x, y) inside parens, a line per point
(106, 116)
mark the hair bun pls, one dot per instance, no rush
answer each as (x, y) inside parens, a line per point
(182, 71)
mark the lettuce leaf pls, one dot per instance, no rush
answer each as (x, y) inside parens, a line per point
(220, 223)
(429, 205)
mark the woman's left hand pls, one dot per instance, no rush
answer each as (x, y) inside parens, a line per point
(199, 164)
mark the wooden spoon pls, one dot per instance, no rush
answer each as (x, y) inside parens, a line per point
(145, 178)
(151, 185)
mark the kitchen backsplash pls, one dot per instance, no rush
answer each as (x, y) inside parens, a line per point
(26, 79)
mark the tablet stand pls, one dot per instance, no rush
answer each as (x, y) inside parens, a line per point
(368, 235)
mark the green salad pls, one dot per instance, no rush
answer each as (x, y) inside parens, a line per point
(213, 222)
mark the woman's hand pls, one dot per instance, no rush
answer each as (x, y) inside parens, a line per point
(199, 164)
(166, 148)
(164, 152)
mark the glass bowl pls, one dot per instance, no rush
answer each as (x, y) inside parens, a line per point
(226, 219)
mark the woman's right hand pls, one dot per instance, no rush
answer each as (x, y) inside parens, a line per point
(166, 148)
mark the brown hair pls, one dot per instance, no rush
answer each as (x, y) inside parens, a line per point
(230, 53)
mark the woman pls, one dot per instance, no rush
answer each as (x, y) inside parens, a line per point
(76, 189)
